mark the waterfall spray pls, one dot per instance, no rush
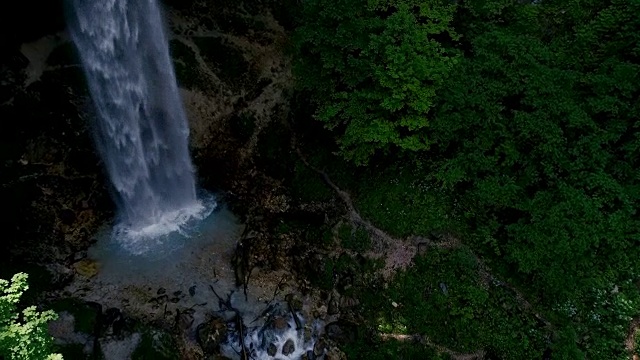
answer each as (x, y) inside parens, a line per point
(141, 130)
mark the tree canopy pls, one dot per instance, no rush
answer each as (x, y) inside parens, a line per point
(375, 69)
(527, 114)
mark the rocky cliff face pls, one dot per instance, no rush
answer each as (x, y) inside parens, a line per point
(231, 64)
(234, 79)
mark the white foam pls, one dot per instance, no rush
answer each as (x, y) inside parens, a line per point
(138, 240)
(258, 339)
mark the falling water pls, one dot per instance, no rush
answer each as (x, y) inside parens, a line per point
(141, 130)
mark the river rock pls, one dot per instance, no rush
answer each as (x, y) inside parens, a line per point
(288, 347)
(272, 349)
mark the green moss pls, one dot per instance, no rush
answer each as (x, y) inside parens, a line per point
(85, 315)
(156, 345)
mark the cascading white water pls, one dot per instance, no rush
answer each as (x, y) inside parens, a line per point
(141, 130)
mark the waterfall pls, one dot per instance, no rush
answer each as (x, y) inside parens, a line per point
(141, 130)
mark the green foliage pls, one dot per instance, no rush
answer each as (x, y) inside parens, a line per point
(545, 150)
(23, 336)
(531, 153)
(404, 201)
(541, 141)
(441, 297)
(375, 68)
(372, 348)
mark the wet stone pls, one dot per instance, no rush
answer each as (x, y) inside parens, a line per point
(288, 347)
(272, 350)
(319, 347)
(280, 323)
(185, 320)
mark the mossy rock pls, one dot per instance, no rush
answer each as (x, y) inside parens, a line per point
(86, 314)
(87, 268)
(156, 345)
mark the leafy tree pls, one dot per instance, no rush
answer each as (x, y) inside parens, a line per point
(23, 336)
(539, 130)
(534, 134)
(375, 68)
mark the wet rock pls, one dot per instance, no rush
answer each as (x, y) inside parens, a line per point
(272, 349)
(159, 300)
(210, 334)
(177, 293)
(161, 291)
(333, 308)
(319, 347)
(79, 255)
(192, 290)
(279, 323)
(184, 320)
(288, 347)
(86, 267)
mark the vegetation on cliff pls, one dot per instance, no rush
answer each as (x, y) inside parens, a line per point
(23, 334)
(512, 125)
